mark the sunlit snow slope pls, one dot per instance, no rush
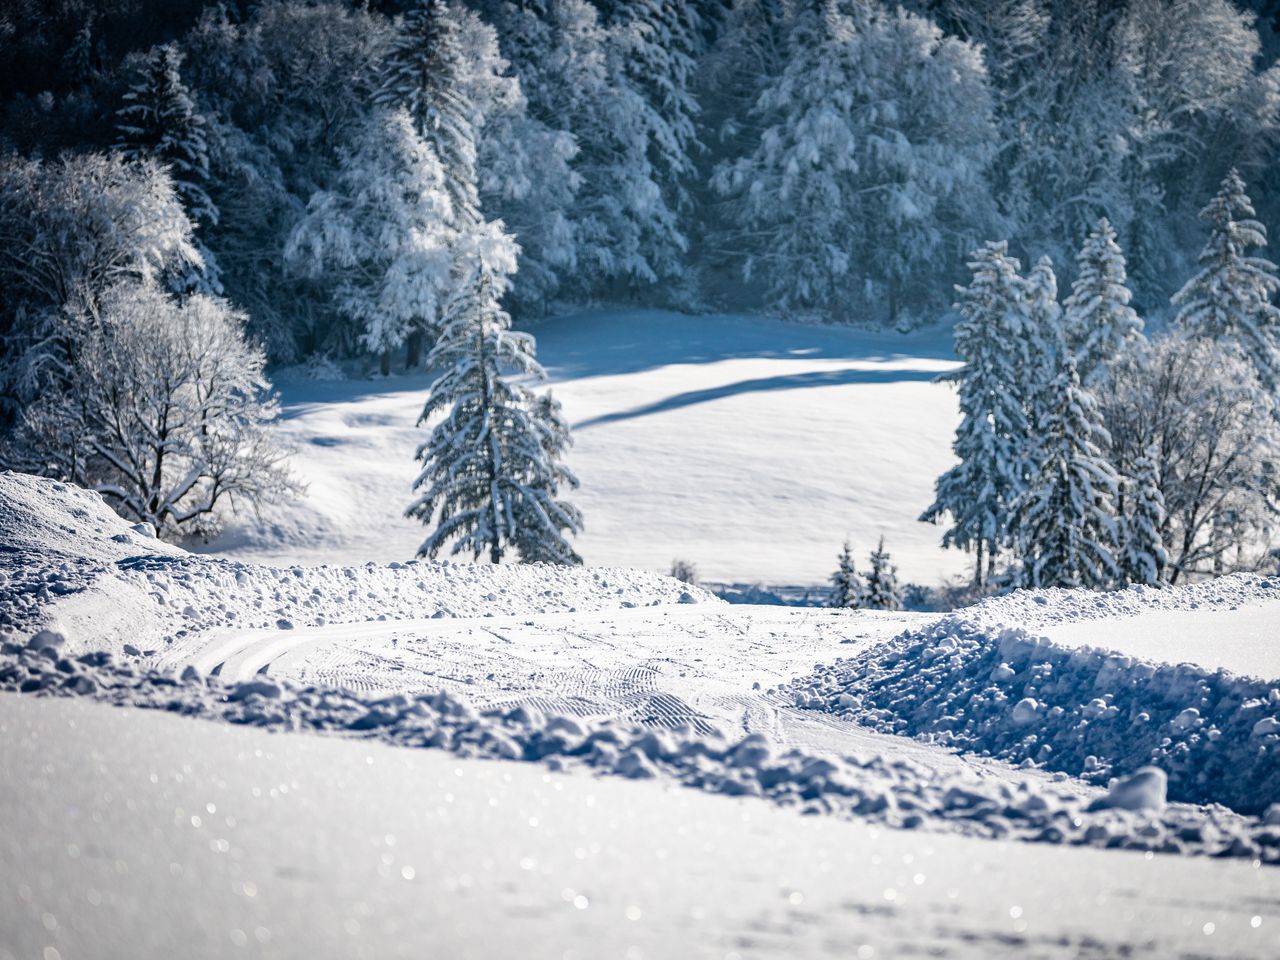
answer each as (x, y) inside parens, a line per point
(750, 447)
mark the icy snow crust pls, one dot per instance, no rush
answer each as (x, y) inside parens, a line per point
(982, 680)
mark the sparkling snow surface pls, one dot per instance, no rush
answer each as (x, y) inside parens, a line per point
(137, 834)
(749, 447)
(1244, 641)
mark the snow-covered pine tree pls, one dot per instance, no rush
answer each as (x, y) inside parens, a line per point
(882, 591)
(1230, 298)
(381, 235)
(625, 229)
(420, 72)
(660, 41)
(847, 588)
(1142, 514)
(159, 119)
(1067, 533)
(1100, 324)
(1038, 355)
(979, 491)
(867, 161)
(491, 473)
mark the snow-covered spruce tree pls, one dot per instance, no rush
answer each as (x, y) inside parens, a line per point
(164, 410)
(159, 119)
(1142, 516)
(868, 164)
(847, 588)
(381, 235)
(1067, 533)
(1100, 324)
(979, 491)
(1037, 353)
(625, 231)
(524, 159)
(420, 72)
(491, 471)
(660, 42)
(882, 591)
(1230, 298)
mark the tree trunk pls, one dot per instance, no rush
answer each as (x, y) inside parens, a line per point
(385, 363)
(978, 567)
(495, 553)
(413, 355)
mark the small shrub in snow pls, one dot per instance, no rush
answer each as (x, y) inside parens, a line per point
(684, 571)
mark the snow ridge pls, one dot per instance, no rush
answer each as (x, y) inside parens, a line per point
(895, 792)
(972, 682)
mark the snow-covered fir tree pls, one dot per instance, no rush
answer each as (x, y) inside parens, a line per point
(524, 159)
(159, 119)
(1100, 324)
(883, 591)
(1037, 353)
(421, 73)
(978, 492)
(1230, 298)
(660, 41)
(868, 161)
(1067, 532)
(1142, 515)
(847, 587)
(382, 236)
(491, 474)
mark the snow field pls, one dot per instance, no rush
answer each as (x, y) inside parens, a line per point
(749, 447)
(983, 681)
(125, 810)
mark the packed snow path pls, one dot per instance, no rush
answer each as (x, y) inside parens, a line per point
(749, 447)
(137, 834)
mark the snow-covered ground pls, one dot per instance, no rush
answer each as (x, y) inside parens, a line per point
(749, 447)
(144, 835)
(867, 720)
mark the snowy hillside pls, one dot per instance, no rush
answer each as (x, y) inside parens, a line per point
(749, 447)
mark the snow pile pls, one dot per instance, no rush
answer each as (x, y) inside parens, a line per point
(896, 792)
(70, 562)
(1041, 609)
(971, 682)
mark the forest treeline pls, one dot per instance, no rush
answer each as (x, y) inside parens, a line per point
(836, 159)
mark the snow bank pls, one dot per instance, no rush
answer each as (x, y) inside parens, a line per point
(69, 561)
(975, 682)
(893, 791)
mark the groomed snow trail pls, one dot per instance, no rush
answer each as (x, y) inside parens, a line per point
(137, 834)
(720, 668)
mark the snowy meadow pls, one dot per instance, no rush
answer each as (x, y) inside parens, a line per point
(639, 478)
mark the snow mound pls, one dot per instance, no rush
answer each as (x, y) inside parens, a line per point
(972, 682)
(70, 563)
(883, 789)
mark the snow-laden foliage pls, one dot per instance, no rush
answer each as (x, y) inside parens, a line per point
(883, 591)
(1142, 518)
(868, 165)
(491, 468)
(1067, 533)
(162, 408)
(70, 229)
(1099, 323)
(1193, 406)
(977, 493)
(383, 235)
(847, 586)
(158, 119)
(1231, 296)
